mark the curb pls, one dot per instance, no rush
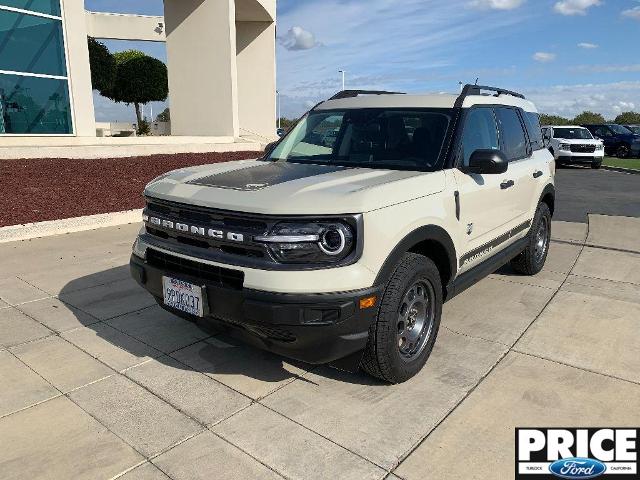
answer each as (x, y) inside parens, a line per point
(632, 171)
(29, 231)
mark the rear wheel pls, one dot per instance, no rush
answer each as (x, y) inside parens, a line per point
(404, 333)
(534, 256)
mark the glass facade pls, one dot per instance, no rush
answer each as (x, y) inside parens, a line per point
(34, 89)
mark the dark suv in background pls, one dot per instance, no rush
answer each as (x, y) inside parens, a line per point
(618, 140)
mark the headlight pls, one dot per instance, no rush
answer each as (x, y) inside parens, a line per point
(139, 249)
(600, 147)
(565, 146)
(321, 242)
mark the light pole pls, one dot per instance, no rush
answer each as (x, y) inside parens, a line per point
(279, 115)
(342, 72)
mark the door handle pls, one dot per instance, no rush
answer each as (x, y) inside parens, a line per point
(507, 184)
(537, 174)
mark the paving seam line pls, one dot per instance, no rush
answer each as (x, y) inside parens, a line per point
(510, 349)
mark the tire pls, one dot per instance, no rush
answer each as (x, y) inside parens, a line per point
(533, 257)
(389, 354)
(596, 165)
(623, 151)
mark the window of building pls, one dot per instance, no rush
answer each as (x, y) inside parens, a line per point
(480, 133)
(34, 87)
(514, 142)
(48, 7)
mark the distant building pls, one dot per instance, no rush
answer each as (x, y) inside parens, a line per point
(221, 62)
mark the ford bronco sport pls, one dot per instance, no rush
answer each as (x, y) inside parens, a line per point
(344, 253)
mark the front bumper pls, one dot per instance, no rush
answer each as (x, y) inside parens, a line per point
(580, 158)
(313, 328)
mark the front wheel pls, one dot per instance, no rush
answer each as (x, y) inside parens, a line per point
(534, 256)
(596, 165)
(404, 333)
(623, 151)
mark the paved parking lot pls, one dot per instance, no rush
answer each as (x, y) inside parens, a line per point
(98, 382)
(581, 190)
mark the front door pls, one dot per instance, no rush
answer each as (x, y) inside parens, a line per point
(487, 202)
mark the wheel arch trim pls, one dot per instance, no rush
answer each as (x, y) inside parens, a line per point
(422, 234)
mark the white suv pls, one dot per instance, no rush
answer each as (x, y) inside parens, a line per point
(345, 253)
(572, 144)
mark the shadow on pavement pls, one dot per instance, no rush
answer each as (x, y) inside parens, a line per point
(213, 351)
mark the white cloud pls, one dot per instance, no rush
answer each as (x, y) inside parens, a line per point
(569, 100)
(497, 4)
(587, 45)
(627, 68)
(632, 13)
(544, 57)
(297, 38)
(575, 7)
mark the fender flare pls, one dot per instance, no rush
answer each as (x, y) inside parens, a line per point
(549, 190)
(421, 234)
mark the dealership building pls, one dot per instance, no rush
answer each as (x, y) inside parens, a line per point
(220, 59)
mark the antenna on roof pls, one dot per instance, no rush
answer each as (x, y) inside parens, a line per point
(477, 78)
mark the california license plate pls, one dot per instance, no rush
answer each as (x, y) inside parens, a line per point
(183, 296)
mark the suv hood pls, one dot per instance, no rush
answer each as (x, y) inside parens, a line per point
(291, 188)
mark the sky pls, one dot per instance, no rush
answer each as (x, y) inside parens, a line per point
(566, 55)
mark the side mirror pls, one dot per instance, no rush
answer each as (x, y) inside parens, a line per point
(487, 162)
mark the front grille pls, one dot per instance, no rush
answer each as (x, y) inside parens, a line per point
(218, 276)
(246, 225)
(583, 148)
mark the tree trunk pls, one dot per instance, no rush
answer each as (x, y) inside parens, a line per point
(138, 114)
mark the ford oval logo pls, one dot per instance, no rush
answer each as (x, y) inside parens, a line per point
(577, 468)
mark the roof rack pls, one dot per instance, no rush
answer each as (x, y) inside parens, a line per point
(477, 90)
(355, 93)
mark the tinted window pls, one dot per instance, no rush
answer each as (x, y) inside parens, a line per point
(480, 132)
(602, 132)
(533, 129)
(572, 133)
(50, 7)
(34, 105)
(514, 142)
(373, 138)
(31, 44)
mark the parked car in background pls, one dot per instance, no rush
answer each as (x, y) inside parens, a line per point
(634, 128)
(618, 140)
(573, 144)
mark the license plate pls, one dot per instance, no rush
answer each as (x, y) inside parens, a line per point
(183, 296)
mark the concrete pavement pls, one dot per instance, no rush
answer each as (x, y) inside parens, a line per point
(96, 381)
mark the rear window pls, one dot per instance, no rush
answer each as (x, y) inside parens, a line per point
(532, 121)
(514, 142)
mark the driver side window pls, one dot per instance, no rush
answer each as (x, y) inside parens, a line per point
(480, 132)
(603, 132)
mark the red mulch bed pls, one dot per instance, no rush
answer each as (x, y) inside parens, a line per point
(50, 189)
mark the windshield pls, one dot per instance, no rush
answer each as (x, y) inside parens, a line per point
(572, 133)
(634, 128)
(372, 138)
(620, 130)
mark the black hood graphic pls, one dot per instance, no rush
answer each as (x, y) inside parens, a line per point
(263, 176)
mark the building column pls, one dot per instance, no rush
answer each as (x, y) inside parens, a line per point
(79, 73)
(256, 43)
(201, 54)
